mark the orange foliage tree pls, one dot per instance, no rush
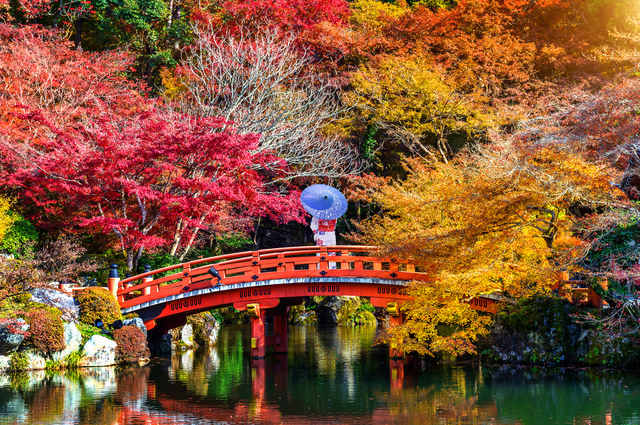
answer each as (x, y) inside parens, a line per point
(494, 220)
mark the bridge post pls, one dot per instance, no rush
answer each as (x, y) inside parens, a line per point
(396, 369)
(257, 331)
(395, 319)
(280, 328)
(113, 280)
(147, 290)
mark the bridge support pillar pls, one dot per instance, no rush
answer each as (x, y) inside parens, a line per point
(258, 342)
(395, 319)
(396, 369)
(280, 328)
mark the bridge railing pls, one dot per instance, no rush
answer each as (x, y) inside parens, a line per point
(268, 264)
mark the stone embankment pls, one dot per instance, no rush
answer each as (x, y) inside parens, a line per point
(547, 331)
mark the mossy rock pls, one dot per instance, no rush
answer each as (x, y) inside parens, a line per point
(97, 303)
(534, 331)
(299, 315)
(231, 316)
(611, 352)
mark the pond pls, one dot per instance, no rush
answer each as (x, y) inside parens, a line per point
(329, 376)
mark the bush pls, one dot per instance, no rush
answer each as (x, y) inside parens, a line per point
(22, 234)
(97, 303)
(18, 361)
(87, 331)
(47, 330)
(132, 344)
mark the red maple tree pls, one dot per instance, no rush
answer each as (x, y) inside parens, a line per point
(151, 180)
(86, 151)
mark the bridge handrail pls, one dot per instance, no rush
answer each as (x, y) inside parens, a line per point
(250, 254)
(235, 266)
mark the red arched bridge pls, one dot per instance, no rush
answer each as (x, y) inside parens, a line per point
(266, 283)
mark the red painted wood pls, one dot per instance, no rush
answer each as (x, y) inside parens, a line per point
(395, 321)
(257, 334)
(280, 329)
(274, 264)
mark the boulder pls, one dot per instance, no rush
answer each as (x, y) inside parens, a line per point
(327, 310)
(4, 362)
(72, 342)
(58, 299)
(11, 334)
(98, 351)
(36, 361)
(306, 318)
(137, 322)
(205, 328)
(186, 335)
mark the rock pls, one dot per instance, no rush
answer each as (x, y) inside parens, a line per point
(306, 318)
(205, 328)
(4, 363)
(36, 361)
(72, 342)
(186, 335)
(327, 310)
(98, 351)
(11, 334)
(136, 322)
(58, 299)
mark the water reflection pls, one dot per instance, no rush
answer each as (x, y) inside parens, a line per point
(329, 376)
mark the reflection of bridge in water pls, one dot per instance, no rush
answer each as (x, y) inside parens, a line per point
(266, 283)
(263, 409)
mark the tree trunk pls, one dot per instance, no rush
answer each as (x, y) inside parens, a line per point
(78, 38)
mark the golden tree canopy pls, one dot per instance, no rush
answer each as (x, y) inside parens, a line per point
(494, 220)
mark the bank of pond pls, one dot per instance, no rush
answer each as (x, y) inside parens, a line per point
(54, 330)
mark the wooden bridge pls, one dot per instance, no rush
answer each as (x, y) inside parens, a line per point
(265, 283)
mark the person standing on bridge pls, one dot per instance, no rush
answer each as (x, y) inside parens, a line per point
(325, 204)
(324, 231)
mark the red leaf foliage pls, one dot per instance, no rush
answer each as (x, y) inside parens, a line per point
(132, 344)
(288, 15)
(138, 177)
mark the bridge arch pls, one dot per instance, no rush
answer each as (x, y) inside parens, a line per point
(265, 283)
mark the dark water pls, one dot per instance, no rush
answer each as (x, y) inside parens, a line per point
(330, 376)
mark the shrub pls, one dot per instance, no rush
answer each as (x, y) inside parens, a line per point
(20, 237)
(18, 361)
(47, 330)
(132, 344)
(72, 359)
(97, 303)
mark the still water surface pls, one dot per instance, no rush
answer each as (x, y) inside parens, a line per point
(330, 376)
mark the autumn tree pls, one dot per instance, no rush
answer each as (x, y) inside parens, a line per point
(55, 261)
(494, 220)
(289, 16)
(41, 71)
(260, 82)
(150, 180)
(411, 100)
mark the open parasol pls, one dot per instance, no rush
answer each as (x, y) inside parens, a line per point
(323, 202)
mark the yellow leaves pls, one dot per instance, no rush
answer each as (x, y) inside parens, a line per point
(438, 319)
(174, 87)
(6, 218)
(369, 14)
(415, 103)
(492, 220)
